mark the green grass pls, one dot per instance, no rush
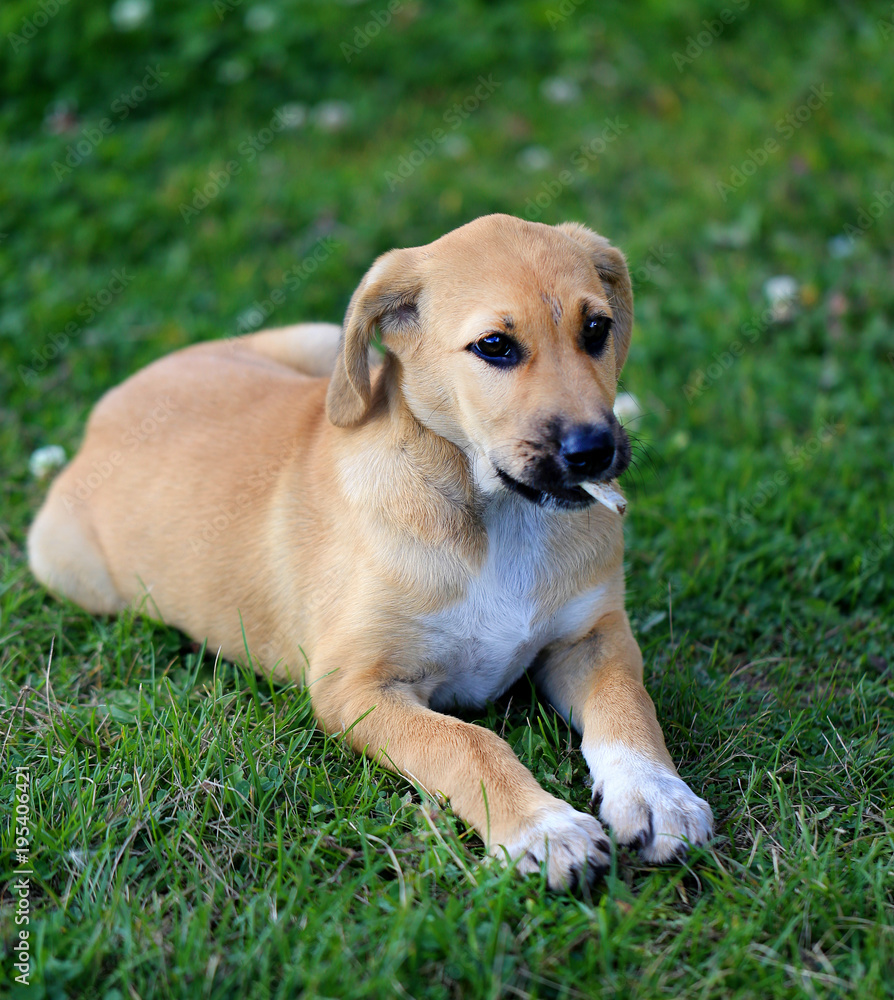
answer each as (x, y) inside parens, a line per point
(193, 834)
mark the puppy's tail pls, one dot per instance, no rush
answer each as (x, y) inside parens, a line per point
(310, 348)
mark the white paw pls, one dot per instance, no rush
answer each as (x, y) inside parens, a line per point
(572, 844)
(646, 805)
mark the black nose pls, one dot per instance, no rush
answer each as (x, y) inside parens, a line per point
(588, 451)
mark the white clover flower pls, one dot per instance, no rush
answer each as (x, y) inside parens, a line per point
(841, 246)
(456, 146)
(260, 18)
(560, 90)
(128, 15)
(333, 116)
(782, 294)
(782, 288)
(534, 158)
(45, 460)
(233, 71)
(293, 115)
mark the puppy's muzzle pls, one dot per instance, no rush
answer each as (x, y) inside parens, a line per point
(565, 457)
(587, 452)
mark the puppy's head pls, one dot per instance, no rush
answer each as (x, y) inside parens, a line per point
(509, 337)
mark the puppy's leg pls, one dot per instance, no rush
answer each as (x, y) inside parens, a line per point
(486, 783)
(599, 682)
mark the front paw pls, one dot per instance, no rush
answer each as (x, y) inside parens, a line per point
(572, 844)
(648, 806)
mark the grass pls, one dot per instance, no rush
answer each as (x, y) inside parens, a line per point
(192, 833)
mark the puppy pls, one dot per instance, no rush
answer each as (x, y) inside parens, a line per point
(408, 538)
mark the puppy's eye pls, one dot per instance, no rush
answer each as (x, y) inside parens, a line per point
(595, 333)
(497, 349)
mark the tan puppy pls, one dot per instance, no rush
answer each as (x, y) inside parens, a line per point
(405, 540)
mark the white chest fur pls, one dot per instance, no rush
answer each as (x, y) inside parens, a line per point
(487, 639)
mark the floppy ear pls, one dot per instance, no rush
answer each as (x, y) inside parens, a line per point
(386, 297)
(612, 270)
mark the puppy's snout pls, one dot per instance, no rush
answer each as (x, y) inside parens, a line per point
(587, 451)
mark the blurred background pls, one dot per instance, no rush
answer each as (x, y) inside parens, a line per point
(174, 172)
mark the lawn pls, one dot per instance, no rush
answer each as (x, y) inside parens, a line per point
(176, 172)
